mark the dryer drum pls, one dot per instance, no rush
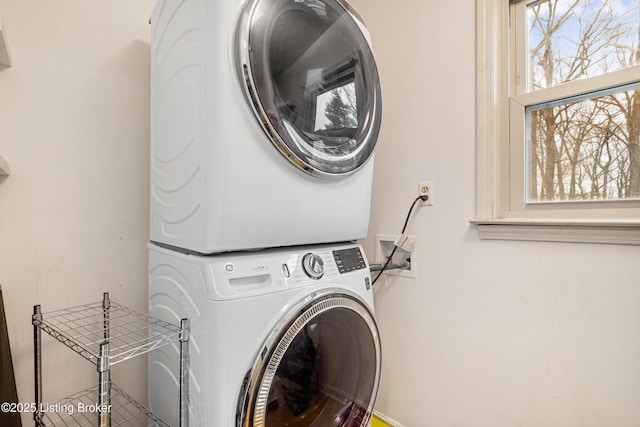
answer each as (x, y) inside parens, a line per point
(321, 368)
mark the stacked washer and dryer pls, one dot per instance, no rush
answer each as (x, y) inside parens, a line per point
(264, 118)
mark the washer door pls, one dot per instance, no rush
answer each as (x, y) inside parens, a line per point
(312, 82)
(321, 368)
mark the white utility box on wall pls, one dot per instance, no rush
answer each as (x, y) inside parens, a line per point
(407, 252)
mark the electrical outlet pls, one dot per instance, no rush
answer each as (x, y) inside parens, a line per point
(425, 189)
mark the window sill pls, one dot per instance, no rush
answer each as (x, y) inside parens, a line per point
(620, 232)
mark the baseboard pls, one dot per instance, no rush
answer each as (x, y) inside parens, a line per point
(381, 420)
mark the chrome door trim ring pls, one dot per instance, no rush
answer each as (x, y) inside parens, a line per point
(246, 78)
(254, 391)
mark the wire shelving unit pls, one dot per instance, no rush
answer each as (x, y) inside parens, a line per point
(105, 333)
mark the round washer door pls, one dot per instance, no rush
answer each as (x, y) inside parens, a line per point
(312, 82)
(321, 368)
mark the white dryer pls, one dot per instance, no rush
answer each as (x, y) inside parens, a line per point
(264, 116)
(282, 337)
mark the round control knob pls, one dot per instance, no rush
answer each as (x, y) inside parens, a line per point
(313, 265)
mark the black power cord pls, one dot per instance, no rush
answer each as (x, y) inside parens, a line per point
(404, 228)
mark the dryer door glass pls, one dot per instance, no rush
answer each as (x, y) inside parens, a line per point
(323, 370)
(312, 82)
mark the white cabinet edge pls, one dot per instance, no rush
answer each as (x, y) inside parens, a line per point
(4, 167)
(5, 59)
(5, 56)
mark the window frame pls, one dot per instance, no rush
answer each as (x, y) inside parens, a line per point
(501, 212)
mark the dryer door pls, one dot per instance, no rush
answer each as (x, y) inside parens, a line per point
(312, 81)
(320, 369)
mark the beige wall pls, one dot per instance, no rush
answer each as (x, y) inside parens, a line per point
(491, 334)
(74, 127)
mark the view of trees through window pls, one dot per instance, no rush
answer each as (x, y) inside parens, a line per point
(588, 147)
(339, 111)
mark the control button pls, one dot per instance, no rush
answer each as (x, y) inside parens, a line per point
(313, 265)
(285, 271)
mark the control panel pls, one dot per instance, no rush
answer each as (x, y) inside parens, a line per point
(349, 260)
(317, 263)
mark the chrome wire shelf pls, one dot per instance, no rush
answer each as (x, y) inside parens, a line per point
(129, 333)
(80, 410)
(105, 333)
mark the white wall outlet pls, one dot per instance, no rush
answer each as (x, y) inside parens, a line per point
(384, 244)
(425, 189)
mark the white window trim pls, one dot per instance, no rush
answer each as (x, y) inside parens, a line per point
(492, 135)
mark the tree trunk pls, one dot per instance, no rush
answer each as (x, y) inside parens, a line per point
(633, 126)
(548, 175)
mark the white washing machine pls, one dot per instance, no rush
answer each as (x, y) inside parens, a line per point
(264, 116)
(280, 337)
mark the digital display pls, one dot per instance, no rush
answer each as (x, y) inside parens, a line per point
(349, 260)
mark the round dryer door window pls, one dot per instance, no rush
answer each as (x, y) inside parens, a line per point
(312, 82)
(321, 369)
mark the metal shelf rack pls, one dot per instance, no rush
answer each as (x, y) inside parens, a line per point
(125, 411)
(105, 333)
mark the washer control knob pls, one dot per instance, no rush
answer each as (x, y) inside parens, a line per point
(313, 265)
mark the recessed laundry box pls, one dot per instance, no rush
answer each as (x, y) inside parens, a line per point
(265, 114)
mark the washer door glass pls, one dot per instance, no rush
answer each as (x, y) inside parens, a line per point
(312, 81)
(321, 370)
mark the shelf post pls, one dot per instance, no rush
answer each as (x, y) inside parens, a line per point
(104, 368)
(184, 373)
(36, 319)
(104, 386)
(106, 305)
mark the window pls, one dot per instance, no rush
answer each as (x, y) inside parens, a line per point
(559, 120)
